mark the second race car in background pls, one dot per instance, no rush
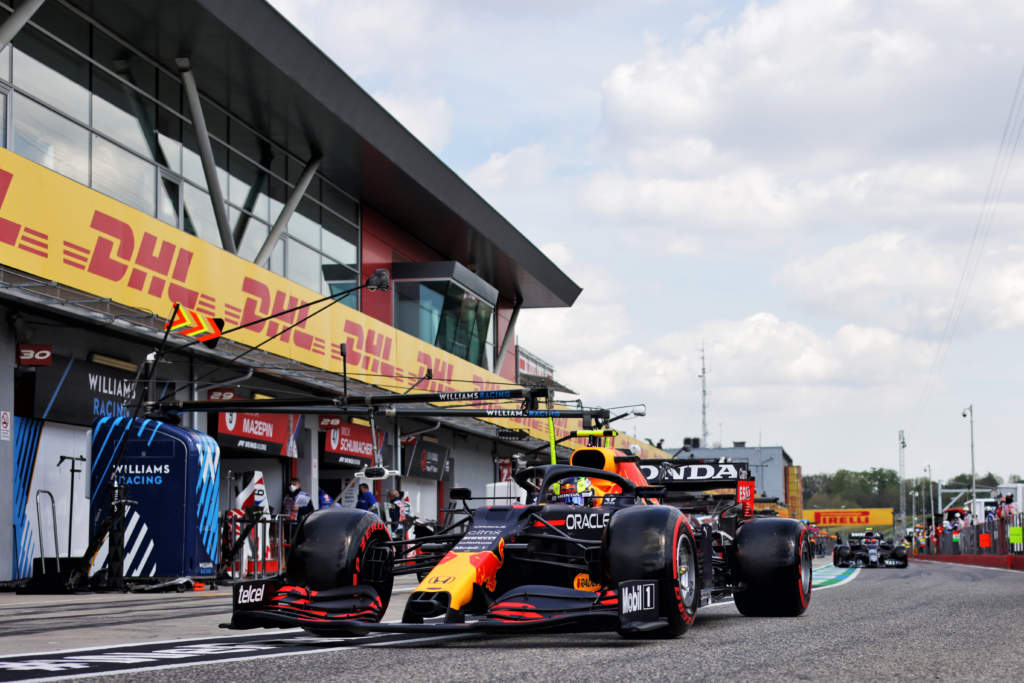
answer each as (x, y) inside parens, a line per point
(868, 549)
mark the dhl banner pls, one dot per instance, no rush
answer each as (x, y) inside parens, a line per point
(55, 228)
(851, 517)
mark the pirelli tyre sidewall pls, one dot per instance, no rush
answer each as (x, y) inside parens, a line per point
(331, 547)
(650, 542)
(773, 559)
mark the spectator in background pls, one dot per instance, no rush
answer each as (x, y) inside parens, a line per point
(396, 513)
(366, 499)
(297, 503)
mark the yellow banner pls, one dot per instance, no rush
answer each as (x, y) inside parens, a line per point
(57, 229)
(851, 517)
(795, 492)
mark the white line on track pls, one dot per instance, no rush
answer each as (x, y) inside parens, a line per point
(347, 644)
(161, 667)
(972, 566)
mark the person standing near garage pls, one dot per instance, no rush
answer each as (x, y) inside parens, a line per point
(297, 503)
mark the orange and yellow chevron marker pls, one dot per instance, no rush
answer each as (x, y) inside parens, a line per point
(201, 327)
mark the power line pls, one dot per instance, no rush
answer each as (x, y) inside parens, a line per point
(1012, 129)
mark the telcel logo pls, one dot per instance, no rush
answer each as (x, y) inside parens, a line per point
(248, 595)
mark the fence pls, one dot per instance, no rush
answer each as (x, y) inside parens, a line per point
(994, 537)
(254, 546)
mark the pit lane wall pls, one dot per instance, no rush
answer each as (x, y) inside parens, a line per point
(55, 228)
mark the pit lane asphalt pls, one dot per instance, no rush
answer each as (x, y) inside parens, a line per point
(930, 621)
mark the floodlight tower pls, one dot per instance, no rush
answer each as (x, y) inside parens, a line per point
(903, 486)
(703, 399)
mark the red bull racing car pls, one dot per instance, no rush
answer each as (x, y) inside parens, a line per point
(606, 542)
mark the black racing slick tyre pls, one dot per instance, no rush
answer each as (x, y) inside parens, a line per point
(774, 561)
(338, 547)
(655, 542)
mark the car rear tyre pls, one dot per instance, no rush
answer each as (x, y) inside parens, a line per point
(338, 547)
(655, 542)
(775, 566)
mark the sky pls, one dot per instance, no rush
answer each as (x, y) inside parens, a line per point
(824, 195)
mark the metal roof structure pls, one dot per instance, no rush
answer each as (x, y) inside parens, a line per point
(250, 60)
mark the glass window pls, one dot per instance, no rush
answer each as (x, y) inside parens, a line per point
(340, 249)
(168, 201)
(124, 115)
(303, 266)
(63, 23)
(339, 202)
(51, 73)
(3, 119)
(50, 139)
(253, 238)
(123, 176)
(349, 281)
(199, 211)
(277, 258)
(305, 224)
(5, 63)
(247, 186)
(192, 164)
(444, 314)
(169, 138)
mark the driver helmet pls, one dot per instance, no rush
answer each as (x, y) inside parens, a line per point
(574, 490)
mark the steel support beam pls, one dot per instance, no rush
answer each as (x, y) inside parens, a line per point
(509, 335)
(17, 20)
(286, 212)
(195, 108)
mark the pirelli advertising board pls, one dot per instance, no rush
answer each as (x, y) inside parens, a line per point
(55, 228)
(880, 517)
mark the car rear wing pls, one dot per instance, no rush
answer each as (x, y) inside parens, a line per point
(694, 474)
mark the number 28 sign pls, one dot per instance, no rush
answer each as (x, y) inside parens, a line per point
(35, 354)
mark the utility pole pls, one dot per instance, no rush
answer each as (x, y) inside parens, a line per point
(903, 486)
(970, 411)
(931, 494)
(703, 399)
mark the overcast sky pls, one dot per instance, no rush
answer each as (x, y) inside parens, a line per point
(796, 185)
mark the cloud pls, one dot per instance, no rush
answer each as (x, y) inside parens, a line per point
(523, 167)
(369, 37)
(908, 283)
(797, 117)
(429, 118)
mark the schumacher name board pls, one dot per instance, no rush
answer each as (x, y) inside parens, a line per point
(851, 517)
(351, 443)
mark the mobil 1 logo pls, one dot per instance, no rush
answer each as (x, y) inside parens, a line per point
(638, 601)
(253, 594)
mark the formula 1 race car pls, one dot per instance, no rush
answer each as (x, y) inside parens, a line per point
(867, 549)
(606, 542)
